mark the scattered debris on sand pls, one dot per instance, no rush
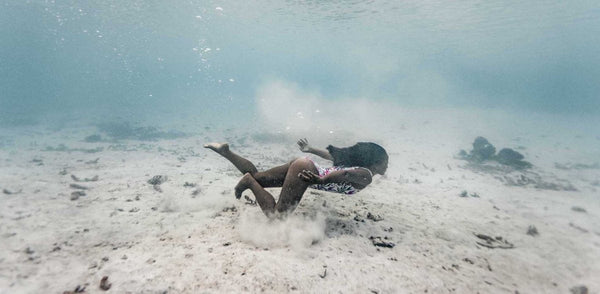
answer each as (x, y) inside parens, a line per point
(532, 231)
(373, 217)
(489, 242)
(77, 186)
(536, 181)
(569, 166)
(95, 161)
(336, 226)
(156, 181)
(359, 218)
(464, 193)
(77, 179)
(64, 148)
(126, 131)
(189, 185)
(78, 289)
(382, 242)
(521, 178)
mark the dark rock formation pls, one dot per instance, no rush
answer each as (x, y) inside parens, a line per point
(513, 158)
(482, 150)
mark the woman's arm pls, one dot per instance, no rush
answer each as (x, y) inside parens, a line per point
(359, 177)
(304, 147)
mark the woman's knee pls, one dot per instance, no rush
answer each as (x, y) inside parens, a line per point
(303, 163)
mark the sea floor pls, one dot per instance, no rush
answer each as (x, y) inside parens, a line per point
(77, 208)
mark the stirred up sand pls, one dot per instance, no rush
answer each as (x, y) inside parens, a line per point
(184, 232)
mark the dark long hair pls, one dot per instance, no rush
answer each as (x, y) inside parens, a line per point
(364, 154)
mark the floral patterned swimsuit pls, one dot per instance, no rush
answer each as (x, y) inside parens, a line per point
(344, 188)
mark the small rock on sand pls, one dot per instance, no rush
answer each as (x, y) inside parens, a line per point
(189, 185)
(75, 195)
(532, 231)
(78, 289)
(9, 192)
(579, 290)
(77, 179)
(104, 284)
(157, 180)
(490, 242)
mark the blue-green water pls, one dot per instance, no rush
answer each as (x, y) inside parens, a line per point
(207, 57)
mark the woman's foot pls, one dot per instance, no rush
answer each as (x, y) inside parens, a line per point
(243, 184)
(220, 148)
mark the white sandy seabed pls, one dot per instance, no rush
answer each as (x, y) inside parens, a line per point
(202, 240)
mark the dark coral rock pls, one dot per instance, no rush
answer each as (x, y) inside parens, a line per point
(482, 150)
(513, 158)
(509, 155)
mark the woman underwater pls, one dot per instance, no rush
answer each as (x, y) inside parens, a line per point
(353, 169)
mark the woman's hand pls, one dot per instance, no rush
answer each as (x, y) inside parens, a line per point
(303, 144)
(310, 177)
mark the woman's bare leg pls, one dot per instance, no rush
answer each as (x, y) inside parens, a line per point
(291, 192)
(273, 177)
(242, 164)
(265, 199)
